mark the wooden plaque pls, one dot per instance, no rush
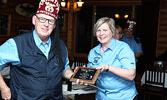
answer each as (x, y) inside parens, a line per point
(85, 74)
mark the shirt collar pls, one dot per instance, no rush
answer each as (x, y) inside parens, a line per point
(125, 38)
(111, 46)
(38, 41)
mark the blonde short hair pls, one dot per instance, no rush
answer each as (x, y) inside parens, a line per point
(119, 29)
(109, 21)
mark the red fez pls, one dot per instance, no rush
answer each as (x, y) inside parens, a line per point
(130, 24)
(49, 7)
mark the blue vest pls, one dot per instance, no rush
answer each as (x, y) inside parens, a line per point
(36, 77)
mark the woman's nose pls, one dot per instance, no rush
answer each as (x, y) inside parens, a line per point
(101, 32)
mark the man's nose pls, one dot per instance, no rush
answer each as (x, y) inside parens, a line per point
(47, 22)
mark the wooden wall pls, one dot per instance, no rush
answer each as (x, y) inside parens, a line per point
(162, 29)
(17, 21)
(150, 12)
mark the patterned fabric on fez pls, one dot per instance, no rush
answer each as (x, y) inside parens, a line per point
(49, 7)
(130, 24)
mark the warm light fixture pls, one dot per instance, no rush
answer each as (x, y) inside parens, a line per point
(117, 16)
(76, 6)
(80, 3)
(63, 3)
(126, 16)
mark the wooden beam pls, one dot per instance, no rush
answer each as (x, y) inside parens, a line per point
(116, 2)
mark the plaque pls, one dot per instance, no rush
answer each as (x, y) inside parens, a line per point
(85, 74)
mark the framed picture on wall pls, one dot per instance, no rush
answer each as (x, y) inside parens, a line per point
(62, 22)
(5, 25)
(22, 31)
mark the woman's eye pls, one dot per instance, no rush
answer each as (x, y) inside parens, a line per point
(104, 30)
(98, 31)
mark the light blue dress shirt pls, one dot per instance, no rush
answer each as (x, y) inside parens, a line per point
(111, 86)
(9, 52)
(136, 47)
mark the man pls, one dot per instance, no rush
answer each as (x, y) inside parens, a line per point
(131, 40)
(39, 60)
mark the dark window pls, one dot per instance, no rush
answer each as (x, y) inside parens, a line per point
(84, 30)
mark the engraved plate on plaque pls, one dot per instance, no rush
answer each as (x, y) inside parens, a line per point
(85, 74)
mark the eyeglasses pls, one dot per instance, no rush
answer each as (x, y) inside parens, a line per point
(119, 32)
(43, 20)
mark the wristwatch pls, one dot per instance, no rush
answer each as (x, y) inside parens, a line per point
(108, 68)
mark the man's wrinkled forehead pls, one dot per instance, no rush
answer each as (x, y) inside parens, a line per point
(128, 30)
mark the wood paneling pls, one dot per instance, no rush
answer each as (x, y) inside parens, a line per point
(162, 29)
(114, 2)
(17, 21)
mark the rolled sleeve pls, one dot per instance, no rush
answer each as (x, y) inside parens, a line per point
(127, 58)
(8, 53)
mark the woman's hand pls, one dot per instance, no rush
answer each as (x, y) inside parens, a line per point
(127, 74)
(103, 67)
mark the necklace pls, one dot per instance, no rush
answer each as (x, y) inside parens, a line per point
(102, 49)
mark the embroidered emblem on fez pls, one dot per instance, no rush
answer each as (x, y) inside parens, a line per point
(49, 7)
(130, 24)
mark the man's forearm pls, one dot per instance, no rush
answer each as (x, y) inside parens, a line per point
(68, 73)
(3, 84)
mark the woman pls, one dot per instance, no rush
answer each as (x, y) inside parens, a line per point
(116, 61)
(118, 31)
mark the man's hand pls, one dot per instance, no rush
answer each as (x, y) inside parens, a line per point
(78, 81)
(6, 93)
